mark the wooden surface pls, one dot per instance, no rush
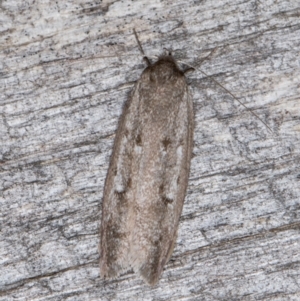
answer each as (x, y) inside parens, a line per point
(66, 68)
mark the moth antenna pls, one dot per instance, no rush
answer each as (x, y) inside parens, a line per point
(189, 69)
(234, 97)
(141, 48)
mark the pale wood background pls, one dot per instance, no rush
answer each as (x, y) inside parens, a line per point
(66, 68)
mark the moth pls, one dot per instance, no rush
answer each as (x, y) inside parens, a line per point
(148, 173)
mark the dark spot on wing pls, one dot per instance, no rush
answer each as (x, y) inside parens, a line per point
(120, 195)
(167, 200)
(138, 140)
(161, 189)
(129, 183)
(113, 237)
(166, 142)
(161, 192)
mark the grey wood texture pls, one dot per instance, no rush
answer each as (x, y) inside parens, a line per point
(66, 68)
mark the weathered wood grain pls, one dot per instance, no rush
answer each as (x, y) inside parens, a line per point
(66, 69)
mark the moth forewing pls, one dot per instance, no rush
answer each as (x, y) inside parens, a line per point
(148, 174)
